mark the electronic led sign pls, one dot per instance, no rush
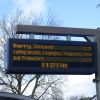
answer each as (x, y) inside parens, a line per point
(28, 56)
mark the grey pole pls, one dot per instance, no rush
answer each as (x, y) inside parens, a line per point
(68, 38)
(98, 66)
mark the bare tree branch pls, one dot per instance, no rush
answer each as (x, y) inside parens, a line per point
(46, 89)
(36, 85)
(19, 83)
(28, 84)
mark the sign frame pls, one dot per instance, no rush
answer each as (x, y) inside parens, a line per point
(30, 70)
(59, 31)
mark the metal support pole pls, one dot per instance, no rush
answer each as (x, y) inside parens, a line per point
(98, 66)
(31, 36)
(68, 38)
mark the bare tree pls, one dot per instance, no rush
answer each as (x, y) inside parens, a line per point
(74, 98)
(20, 83)
(57, 94)
(78, 98)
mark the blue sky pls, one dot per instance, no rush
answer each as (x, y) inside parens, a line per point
(77, 13)
(72, 13)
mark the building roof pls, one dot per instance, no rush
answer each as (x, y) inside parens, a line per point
(14, 96)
